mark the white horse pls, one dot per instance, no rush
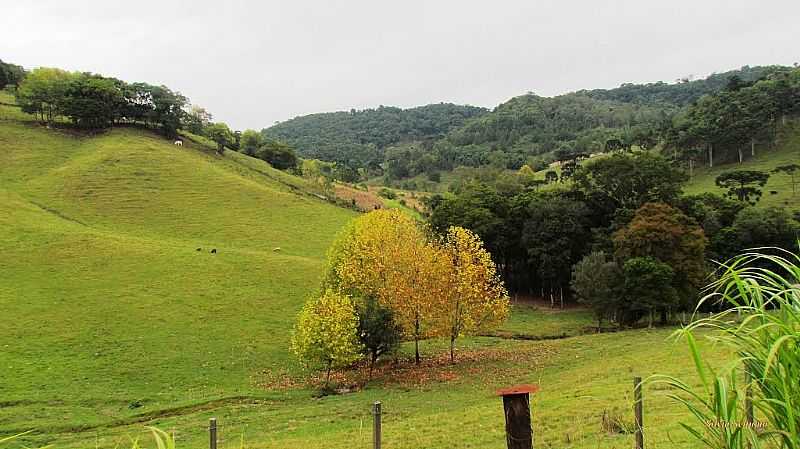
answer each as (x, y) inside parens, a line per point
(178, 143)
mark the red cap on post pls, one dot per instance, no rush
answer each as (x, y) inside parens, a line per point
(518, 389)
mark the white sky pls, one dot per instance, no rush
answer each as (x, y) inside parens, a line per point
(251, 63)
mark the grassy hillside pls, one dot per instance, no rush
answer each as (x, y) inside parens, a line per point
(109, 309)
(112, 320)
(786, 151)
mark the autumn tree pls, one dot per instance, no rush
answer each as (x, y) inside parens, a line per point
(386, 254)
(665, 234)
(471, 297)
(325, 332)
(744, 185)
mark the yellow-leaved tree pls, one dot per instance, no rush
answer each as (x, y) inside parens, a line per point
(386, 254)
(326, 332)
(471, 296)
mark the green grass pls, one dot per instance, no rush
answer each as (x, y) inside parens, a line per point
(112, 320)
(107, 304)
(535, 321)
(580, 377)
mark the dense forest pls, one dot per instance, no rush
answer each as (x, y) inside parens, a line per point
(358, 137)
(526, 130)
(684, 91)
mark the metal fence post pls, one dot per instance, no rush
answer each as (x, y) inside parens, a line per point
(212, 433)
(376, 425)
(637, 412)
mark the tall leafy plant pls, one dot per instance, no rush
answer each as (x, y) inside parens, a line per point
(761, 290)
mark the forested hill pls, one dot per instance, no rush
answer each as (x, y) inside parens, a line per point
(684, 91)
(358, 136)
(528, 129)
(517, 131)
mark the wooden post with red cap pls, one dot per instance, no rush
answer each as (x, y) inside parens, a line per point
(516, 407)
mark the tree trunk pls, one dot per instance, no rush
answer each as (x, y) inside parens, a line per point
(552, 300)
(650, 320)
(416, 341)
(664, 317)
(752, 147)
(710, 155)
(691, 168)
(452, 349)
(561, 295)
(740, 154)
(328, 375)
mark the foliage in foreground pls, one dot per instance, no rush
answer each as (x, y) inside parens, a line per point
(764, 289)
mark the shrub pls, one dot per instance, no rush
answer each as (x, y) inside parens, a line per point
(378, 332)
(388, 194)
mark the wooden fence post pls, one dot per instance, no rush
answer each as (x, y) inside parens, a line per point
(376, 425)
(637, 412)
(517, 411)
(212, 433)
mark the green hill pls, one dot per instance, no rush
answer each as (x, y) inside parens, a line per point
(107, 273)
(358, 137)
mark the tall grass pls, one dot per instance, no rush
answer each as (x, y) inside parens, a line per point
(760, 291)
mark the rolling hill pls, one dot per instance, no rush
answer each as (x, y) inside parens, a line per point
(108, 272)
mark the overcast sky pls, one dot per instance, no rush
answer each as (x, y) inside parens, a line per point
(253, 63)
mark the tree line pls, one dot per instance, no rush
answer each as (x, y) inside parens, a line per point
(94, 102)
(619, 235)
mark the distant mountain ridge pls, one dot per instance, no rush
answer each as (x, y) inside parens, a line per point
(361, 135)
(527, 129)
